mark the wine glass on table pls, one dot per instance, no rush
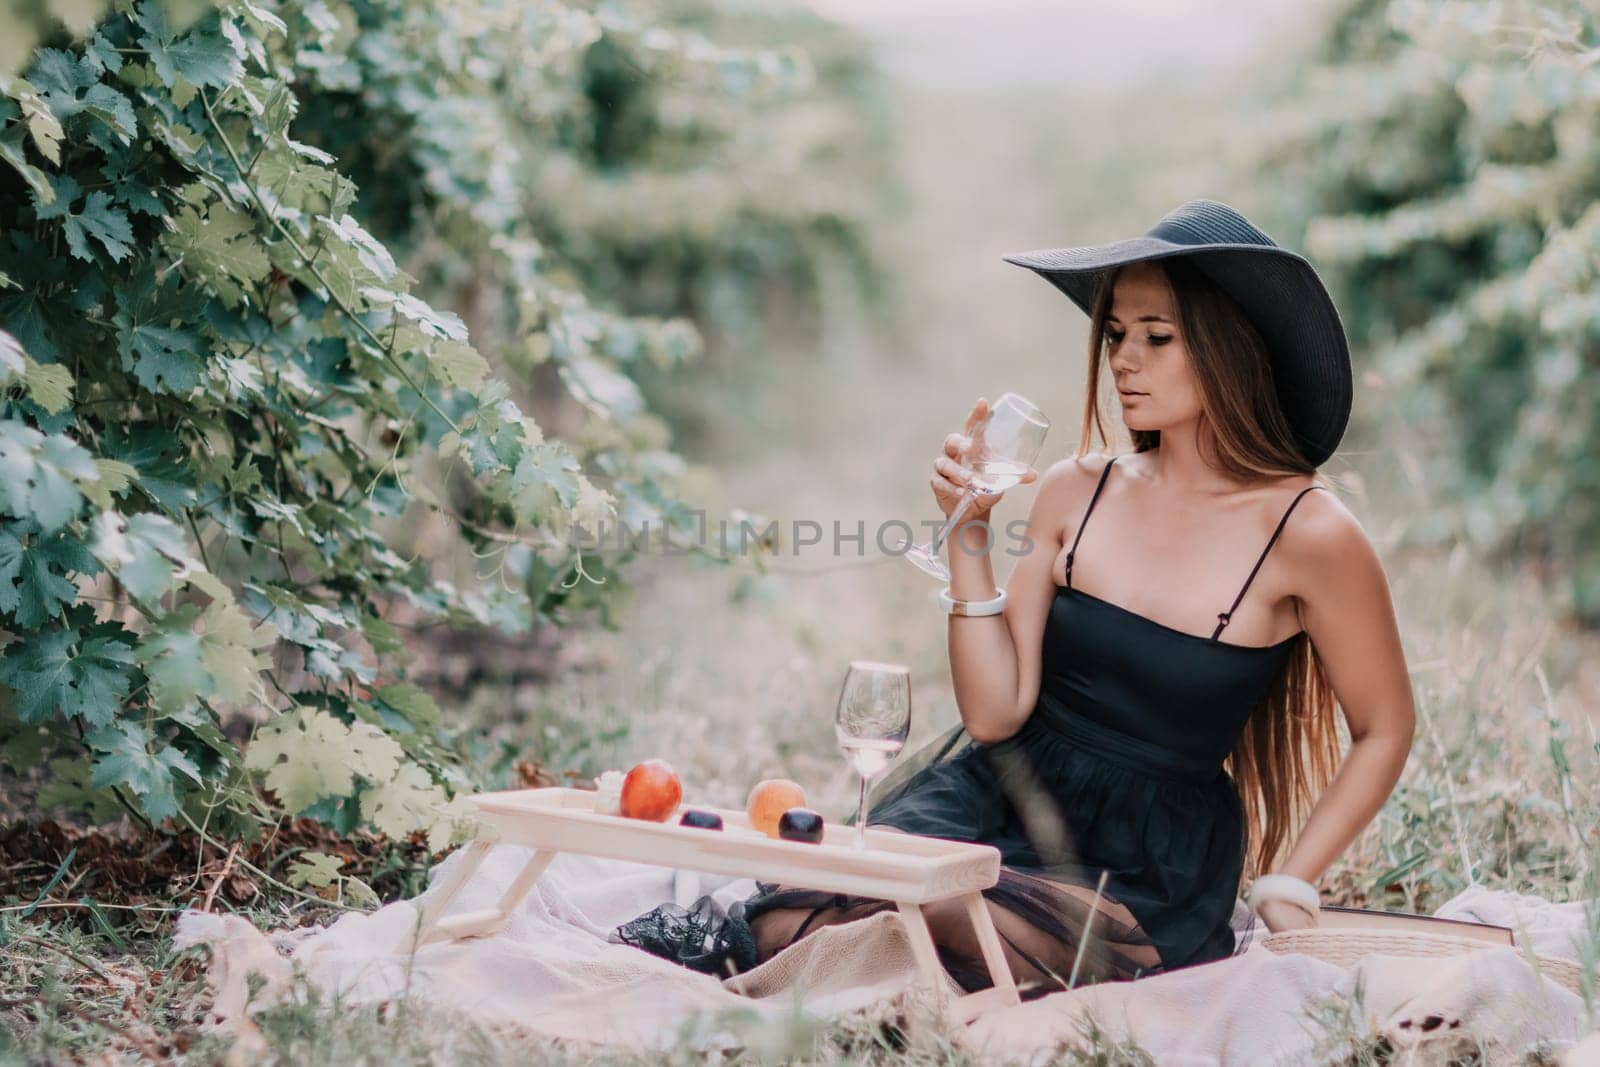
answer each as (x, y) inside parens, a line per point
(873, 719)
(1003, 446)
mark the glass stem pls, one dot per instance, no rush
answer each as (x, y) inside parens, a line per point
(861, 815)
(937, 543)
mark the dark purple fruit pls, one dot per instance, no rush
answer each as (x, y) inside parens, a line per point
(705, 820)
(800, 824)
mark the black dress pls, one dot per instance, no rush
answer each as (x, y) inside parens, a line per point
(1117, 772)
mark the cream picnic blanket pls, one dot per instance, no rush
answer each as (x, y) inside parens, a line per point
(552, 971)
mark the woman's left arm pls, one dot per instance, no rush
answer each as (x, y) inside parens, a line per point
(1349, 616)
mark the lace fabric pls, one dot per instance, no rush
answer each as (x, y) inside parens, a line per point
(702, 937)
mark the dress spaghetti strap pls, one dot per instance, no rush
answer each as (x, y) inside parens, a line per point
(1086, 513)
(1226, 616)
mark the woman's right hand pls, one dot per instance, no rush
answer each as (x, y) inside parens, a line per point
(951, 476)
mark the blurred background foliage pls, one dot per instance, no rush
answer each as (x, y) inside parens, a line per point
(1444, 160)
(327, 323)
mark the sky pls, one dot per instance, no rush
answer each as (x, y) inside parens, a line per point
(1099, 44)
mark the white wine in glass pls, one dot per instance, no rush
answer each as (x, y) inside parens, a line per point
(871, 723)
(1003, 447)
(996, 475)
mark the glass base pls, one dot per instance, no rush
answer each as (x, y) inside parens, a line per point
(927, 561)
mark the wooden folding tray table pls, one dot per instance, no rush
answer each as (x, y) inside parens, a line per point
(909, 869)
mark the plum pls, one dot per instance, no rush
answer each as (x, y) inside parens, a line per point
(704, 820)
(800, 824)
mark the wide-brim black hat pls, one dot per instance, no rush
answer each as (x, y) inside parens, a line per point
(1278, 290)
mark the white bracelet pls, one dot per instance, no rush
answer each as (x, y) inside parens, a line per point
(953, 606)
(1285, 887)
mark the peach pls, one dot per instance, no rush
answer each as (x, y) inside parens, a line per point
(770, 799)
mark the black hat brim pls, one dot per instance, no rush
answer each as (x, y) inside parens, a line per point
(1278, 291)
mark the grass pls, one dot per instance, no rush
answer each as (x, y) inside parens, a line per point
(72, 996)
(1501, 789)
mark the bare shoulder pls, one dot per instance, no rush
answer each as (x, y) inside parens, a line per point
(1074, 476)
(1325, 541)
(1322, 523)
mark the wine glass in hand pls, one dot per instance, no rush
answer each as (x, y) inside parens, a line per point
(1002, 447)
(873, 719)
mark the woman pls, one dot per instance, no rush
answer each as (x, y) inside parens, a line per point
(1132, 767)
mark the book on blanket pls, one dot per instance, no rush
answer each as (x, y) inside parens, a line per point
(1336, 917)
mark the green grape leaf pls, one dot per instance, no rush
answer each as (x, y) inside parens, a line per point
(163, 357)
(32, 317)
(65, 192)
(442, 325)
(12, 152)
(19, 447)
(49, 385)
(383, 636)
(33, 587)
(403, 706)
(347, 232)
(204, 56)
(61, 671)
(456, 365)
(319, 870)
(279, 110)
(376, 754)
(41, 476)
(60, 466)
(219, 248)
(97, 218)
(124, 759)
(164, 360)
(174, 658)
(72, 87)
(210, 655)
(159, 458)
(353, 264)
(107, 224)
(545, 478)
(306, 755)
(286, 181)
(115, 477)
(149, 553)
(130, 189)
(407, 800)
(601, 389)
(101, 51)
(315, 869)
(358, 892)
(441, 339)
(43, 126)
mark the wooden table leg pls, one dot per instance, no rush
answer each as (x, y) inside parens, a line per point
(965, 1008)
(445, 894)
(524, 881)
(993, 954)
(923, 949)
(489, 920)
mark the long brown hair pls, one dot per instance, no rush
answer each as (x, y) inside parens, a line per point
(1290, 747)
